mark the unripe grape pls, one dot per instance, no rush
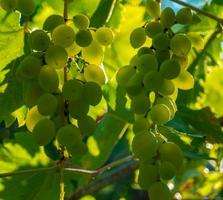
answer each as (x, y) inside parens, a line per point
(73, 90)
(104, 36)
(145, 50)
(92, 93)
(69, 135)
(153, 8)
(137, 37)
(44, 131)
(48, 79)
(124, 74)
(141, 124)
(52, 22)
(87, 125)
(79, 149)
(161, 42)
(184, 16)
(81, 21)
(153, 81)
(154, 28)
(73, 50)
(8, 5)
(140, 104)
(94, 73)
(167, 88)
(162, 55)
(59, 120)
(148, 175)
(47, 104)
(56, 56)
(26, 7)
(133, 60)
(184, 81)
(144, 145)
(63, 35)
(167, 17)
(159, 191)
(172, 153)
(167, 170)
(135, 84)
(78, 109)
(170, 69)
(39, 40)
(182, 60)
(146, 63)
(160, 114)
(84, 38)
(180, 45)
(169, 103)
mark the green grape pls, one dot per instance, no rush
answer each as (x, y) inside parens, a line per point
(59, 120)
(167, 17)
(174, 95)
(124, 74)
(195, 19)
(153, 81)
(84, 38)
(167, 170)
(154, 28)
(39, 40)
(197, 40)
(167, 88)
(56, 56)
(48, 79)
(172, 153)
(161, 41)
(32, 92)
(92, 93)
(73, 50)
(32, 117)
(170, 69)
(47, 104)
(169, 103)
(184, 81)
(8, 5)
(135, 84)
(146, 63)
(43, 132)
(69, 135)
(160, 114)
(52, 22)
(29, 68)
(148, 175)
(133, 60)
(144, 145)
(78, 109)
(73, 89)
(137, 37)
(162, 55)
(140, 104)
(153, 8)
(26, 7)
(159, 191)
(182, 60)
(52, 151)
(184, 16)
(79, 149)
(104, 36)
(81, 21)
(93, 53)
(145, 50)
(87, 125)
(141, 124)
(180, 45)
(63, 35)
(94, 73)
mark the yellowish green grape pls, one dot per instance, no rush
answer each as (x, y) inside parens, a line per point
(26, 7)
(81, 21)
(84, 38)
(167, 88)
(8, 5)
(160, 114)
(141, 124)
(44, 131)
(63, 35)
(87, 125)
(170, 69)
(159, 191)
(73, 50)
(135, 84)
(184, 81)
(78, 109)
(145, 50)
(39, 40)
(104, 36)
(167, 17)
(154, 28)
(140, 104)
(197, 40)
(146, 63)
(182, 60)
(167, 170)
(153, 81)
(52, 22)
(153, 8)
(161, 42)
(162, 55)
(79, 149)
(137, 37)
(124, 74)
(184, 16)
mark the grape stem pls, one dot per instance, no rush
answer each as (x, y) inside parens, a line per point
(26, 26)
(207, 14)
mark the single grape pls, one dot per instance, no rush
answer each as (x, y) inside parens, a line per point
(154, 28)
(84, 38)
(48, 79)
(153, 81)
(81, 21)
(182, 60)
(141, 124)
(167, 170)
(63, 35)
(170, 69)
(104, 36)
(160, 114)
(162, 55)
(140, 104)
(87, 125)
(161, 42)
(78, 109)
(44, 131)
(39, 40)
(133, 60)
(124, 74)
(145, 50)
(167, 88)
(8, 5)
(159, 191)
(180, 45)
(26, 7)
(73, 50)
(94, 73)
(59, 120)
(69, 135)
(184, 16)
(92, 93)
(172, 153)
(137, 37)
(144, 145)
(146, 63)
(184, 81)
(56, 56)
(52, 22)
(167, 17)
(153, 8)
(135, 84)
(73, 89)
(79, 149)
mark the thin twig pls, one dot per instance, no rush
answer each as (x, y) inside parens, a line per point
(111, 11)
(26, 26)
(65, 13)
(61, 184)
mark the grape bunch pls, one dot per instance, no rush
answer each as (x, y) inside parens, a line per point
(151, 80)
(62, 78)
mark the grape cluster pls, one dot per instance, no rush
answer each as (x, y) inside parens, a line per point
(59, 100)
(152, 80)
